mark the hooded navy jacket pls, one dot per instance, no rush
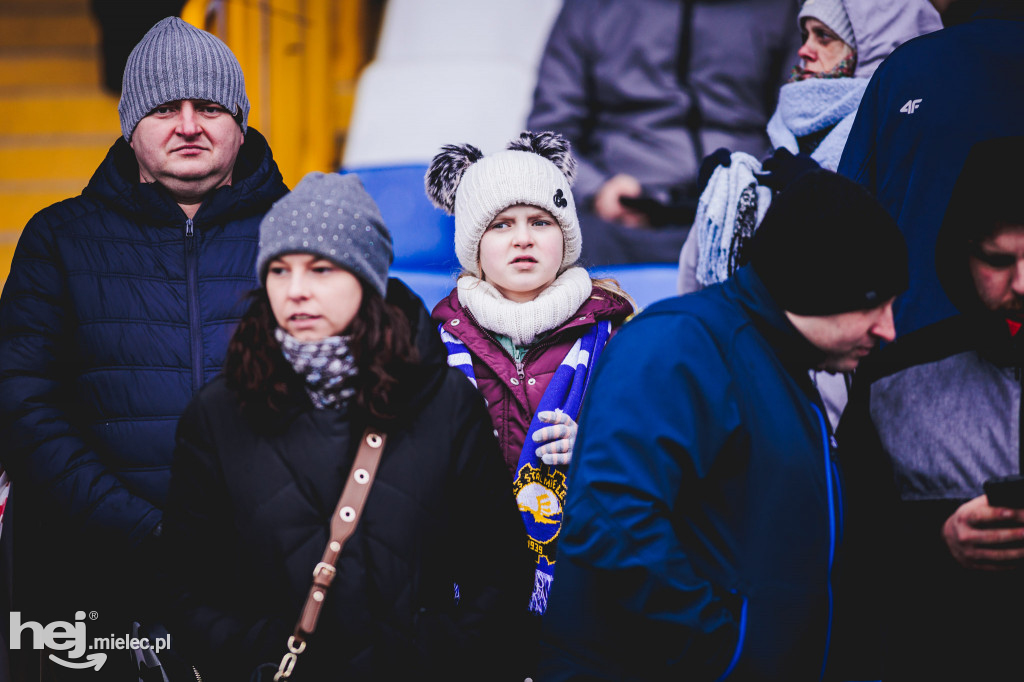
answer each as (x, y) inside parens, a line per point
(704, 504)
(117, 310)
(925, 107)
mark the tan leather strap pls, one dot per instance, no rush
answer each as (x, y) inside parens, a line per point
(343, 524)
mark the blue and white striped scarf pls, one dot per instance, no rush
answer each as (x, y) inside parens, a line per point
(540, 489)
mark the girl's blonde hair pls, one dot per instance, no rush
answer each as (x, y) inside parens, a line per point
(612, 286)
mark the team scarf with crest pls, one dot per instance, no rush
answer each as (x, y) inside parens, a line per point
(539, 488)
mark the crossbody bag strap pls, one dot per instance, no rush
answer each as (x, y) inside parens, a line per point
(343, 524)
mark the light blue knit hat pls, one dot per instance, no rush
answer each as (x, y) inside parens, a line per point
(173, 61)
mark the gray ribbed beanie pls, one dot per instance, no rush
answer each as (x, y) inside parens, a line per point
(176, 60)
(833, 14)
(332, 216)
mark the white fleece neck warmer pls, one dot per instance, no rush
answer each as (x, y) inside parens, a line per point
(523, 322)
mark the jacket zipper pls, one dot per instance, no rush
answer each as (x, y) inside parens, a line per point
(192, 284)
(1020, 423)
(520, 365)
(199, 678)
(834, 498)
(536, 348)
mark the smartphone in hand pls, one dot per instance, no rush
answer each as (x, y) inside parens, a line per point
(1007, 491)
(661, 213)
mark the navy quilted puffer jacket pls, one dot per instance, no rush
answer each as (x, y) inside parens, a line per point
(117, 310)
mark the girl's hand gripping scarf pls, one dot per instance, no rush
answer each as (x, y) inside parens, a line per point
(539, 488)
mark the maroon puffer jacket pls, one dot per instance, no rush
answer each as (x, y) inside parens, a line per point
(512, 396)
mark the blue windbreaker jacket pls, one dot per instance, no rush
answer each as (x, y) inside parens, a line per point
(704, 502)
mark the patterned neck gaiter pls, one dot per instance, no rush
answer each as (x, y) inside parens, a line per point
(843, 69)
(325, 365)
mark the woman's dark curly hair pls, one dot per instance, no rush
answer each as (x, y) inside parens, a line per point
(380, 341)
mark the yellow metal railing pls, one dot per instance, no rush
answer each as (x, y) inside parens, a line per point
(301, 59)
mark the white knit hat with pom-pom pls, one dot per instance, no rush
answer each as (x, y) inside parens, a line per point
(537, 170)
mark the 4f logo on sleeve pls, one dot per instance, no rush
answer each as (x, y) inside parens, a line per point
(910, 107)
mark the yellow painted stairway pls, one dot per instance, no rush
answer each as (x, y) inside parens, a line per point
(56, 122)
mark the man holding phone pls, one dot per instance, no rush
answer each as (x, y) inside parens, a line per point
(935, 420)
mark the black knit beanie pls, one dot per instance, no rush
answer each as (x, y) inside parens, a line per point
(826, 246)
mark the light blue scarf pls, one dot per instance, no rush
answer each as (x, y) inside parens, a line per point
(805, 107)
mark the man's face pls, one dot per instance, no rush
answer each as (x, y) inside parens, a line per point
(997, 266)
(188, 146)
(846, 338)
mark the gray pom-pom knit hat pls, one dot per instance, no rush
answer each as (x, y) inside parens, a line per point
(174, 61)
(331, 216)
(536, 169)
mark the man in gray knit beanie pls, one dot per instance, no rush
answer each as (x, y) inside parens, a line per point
(119, 305)
(184, 110)
(177, 61)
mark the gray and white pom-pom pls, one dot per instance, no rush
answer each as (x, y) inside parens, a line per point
(551, 146)
(446, 171)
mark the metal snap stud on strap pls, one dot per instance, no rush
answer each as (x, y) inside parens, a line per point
(350, 505)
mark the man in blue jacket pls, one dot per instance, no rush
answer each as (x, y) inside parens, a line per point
(928, 103)
(704, 511)
(118, 307)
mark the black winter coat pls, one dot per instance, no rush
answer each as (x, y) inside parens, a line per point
(248, 517)
(117, 310)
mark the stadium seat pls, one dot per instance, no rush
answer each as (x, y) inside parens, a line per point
(424, 236)
(646, 283)
(430, 285)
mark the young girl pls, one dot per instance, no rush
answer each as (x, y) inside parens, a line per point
(524, 323)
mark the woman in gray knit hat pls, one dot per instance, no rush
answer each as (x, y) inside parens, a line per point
(434, 575)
